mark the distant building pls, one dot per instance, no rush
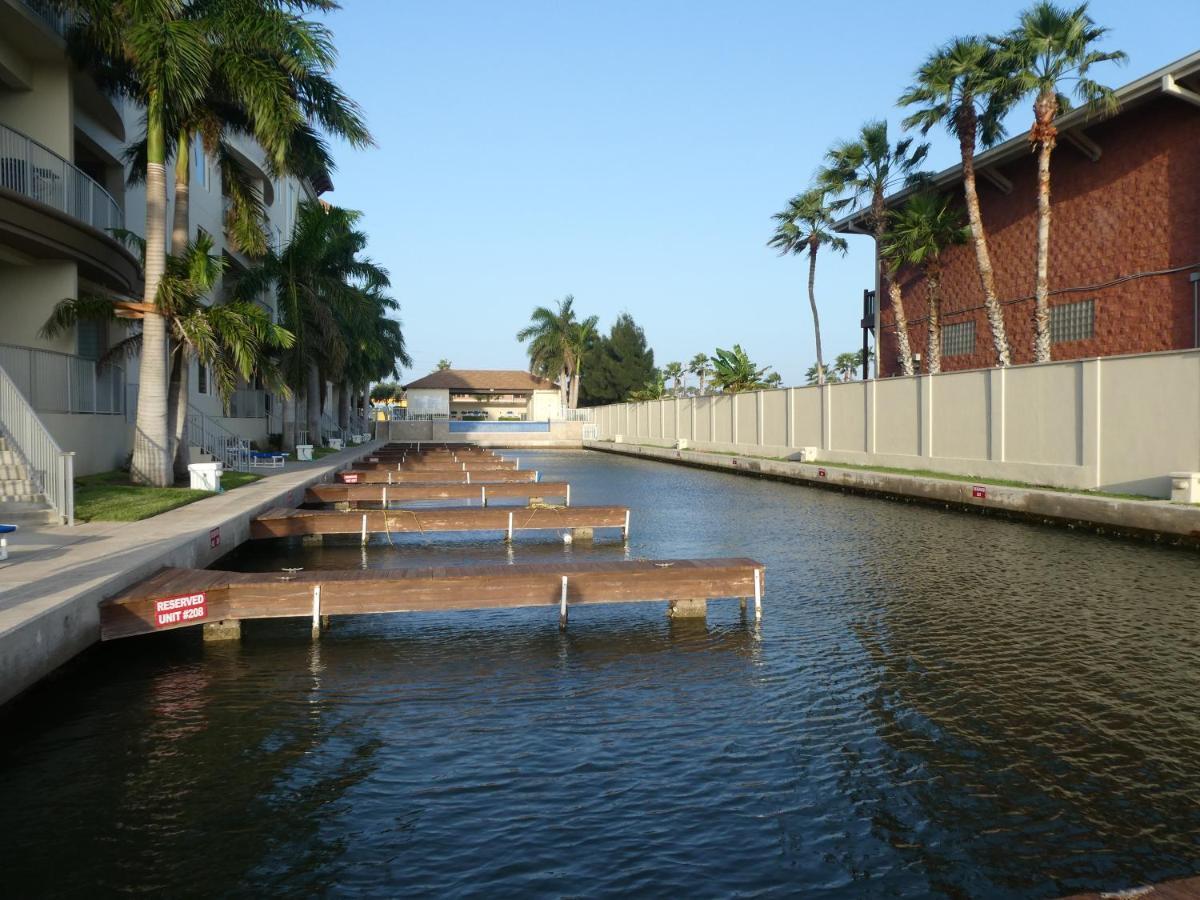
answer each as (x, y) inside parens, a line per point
(483, 395)
(1124, 239)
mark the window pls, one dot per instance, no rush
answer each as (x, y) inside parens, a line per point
(1073, 321)
(93, 338)
(201, 163)
(201, 378)
(958, 339)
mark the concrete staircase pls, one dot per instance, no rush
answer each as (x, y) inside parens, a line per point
(21, 503)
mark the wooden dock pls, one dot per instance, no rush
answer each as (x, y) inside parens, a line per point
(447, 465)
(179, 598)
(435, 476)
(288, 522)
(407, 493)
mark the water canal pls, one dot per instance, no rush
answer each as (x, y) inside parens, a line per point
(936, 704)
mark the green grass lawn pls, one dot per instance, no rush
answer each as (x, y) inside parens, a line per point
(109, 497)
(318, 452)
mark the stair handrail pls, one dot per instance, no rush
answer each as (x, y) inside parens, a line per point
(45, 460)
(216, 440)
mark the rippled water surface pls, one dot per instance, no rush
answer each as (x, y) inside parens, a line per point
(936, 704)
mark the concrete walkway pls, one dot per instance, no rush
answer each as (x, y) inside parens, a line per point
(1156, 520)
(55, 576)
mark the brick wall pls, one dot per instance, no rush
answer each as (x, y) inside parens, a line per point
(1136, 209)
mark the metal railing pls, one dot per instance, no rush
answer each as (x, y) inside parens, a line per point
(62, 383)
(231, 450)
(33, 170)
(50, 468)
(49, 13)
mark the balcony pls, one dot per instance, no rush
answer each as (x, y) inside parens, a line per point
(49, 14)
(37, 172)
(63, 383)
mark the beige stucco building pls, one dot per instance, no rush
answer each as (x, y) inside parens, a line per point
(494, 395)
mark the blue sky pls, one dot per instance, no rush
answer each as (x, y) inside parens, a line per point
(631, 152)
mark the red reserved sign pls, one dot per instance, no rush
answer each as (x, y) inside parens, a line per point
(348, 477)
(820, 473)
(214, 538)
(178, 610)
(979, 492)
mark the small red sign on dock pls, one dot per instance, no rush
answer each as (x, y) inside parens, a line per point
(348, 477)
(214, 538)
(821, 473)
(979, 491)
(180, 610)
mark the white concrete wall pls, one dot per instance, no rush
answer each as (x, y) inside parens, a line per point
(100, 443)
(543, 405)
(1117, 424)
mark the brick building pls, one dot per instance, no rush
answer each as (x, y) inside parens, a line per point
(1124, 240)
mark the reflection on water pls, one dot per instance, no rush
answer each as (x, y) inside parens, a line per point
(936, 704)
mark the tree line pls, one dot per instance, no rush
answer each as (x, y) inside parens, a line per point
(967, 86)
(206, 70)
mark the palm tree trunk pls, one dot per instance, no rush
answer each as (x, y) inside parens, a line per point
(314, 404)
(812, 301)
(564, 387)
(151, 444)
(343, 405)
(1041, 345)
(983, 257)
(575, 379)
(897, 299)
(287, 427)
(177, 396)
(934, 349)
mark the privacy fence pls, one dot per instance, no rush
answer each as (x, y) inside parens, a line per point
(1119, 424)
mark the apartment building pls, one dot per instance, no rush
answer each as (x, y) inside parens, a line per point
(63, 191)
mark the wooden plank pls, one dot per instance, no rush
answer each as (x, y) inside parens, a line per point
(254, 595)
(447, 466)
(290, 522)
(400, 493)
(452, 476)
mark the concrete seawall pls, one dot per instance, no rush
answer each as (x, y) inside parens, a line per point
(1153, 520)
(50, 618)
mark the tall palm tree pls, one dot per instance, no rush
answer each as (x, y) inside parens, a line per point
(815, 375)
(846, 365)
(580, 339)
(920, 230)
(891, 262)
(154, 54)
(550, 333)
(964, 87)
(869, 168)
(806, 225)
(1052, 48)
(321, 281)
(700, 367)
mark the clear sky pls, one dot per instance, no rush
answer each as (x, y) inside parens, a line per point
(631, 152)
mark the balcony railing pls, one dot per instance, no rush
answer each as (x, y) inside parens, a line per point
(62, 383)
(48, 13)
(37, 172)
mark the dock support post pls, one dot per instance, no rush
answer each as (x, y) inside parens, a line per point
(224, 630)
(758, 595)
(510, 528)
(468, 473)
(316, 612)
(389, 477)
(625, 530)
(483, 495)
(688, 609)
(364, 529)
(383, 499)
(562, 606)
(568, 493)
(583, 533)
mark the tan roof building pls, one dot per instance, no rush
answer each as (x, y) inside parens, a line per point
(483, 394)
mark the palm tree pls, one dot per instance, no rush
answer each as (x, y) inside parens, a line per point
(825, 375)
(805, 225)
(964, 87)
(773, 380)
(652, 390)
(734, 372)
(846, 365)
(250, 66)
(1050, 48)
(869, 168)
(891, 262)
(321, 282)
(674, 371)
(580, 339)
(699, 366)
(925, 226)
(550, 333)
(444, 364)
